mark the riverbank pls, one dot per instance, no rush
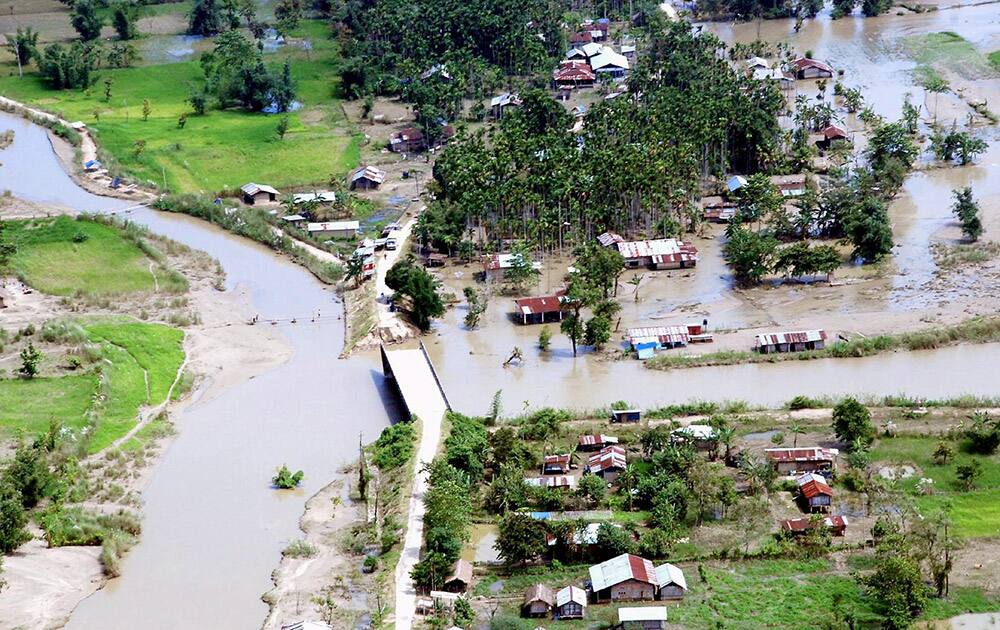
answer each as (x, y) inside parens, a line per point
(46, 584)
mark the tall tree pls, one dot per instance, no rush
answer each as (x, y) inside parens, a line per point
(86, 20)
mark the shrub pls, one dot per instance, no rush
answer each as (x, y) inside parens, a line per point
(852, 422)
(299, 549)
(286, 479)
(394, 446)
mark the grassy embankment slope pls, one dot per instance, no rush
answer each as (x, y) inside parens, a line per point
(218, 151)
(134, 363)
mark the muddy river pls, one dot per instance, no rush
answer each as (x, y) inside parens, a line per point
(213, 530)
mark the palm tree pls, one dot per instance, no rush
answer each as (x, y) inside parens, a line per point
(635, 281)
(726, 437)
(796, 430)
(627, 481)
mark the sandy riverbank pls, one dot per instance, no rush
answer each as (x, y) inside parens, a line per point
(45, 585)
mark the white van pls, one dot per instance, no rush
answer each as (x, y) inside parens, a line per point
(392, 241)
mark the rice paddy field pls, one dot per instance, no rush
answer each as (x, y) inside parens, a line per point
(223, 149)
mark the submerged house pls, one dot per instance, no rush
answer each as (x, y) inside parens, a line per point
(258, 193)
(788, 461)
(798, 341)
(495, 267)
(805, 68)
(571, 603)
(666, 253)
(829, 135)
(789, 185)
(666, 336)
(622, 579)
(538, 310)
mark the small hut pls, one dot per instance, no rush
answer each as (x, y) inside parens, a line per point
(538, 601)
(460, 578)
(571, 603)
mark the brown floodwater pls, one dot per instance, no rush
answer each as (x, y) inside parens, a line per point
(213, 529)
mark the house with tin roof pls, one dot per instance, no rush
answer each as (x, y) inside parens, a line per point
(624, 578)
(670, 582)
(571, 603)
(803, 459)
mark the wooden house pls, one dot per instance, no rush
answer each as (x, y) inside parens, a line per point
(829, 135)
(625, 415)
(460, 578)
(815, 494)
(409, 140)
(645, 618)
(538, 601)
(622, 579)
(595, 442)
(789, 461)
(671, 584)
(555, 464)
(797, 341)
(258, 193)
(556, 482)
(789, 185)
(607, 463)
(717, 210)
(538, 310)
(667, 336)
(367, 178)
(805, 68)
(571, 603)
(495, 267)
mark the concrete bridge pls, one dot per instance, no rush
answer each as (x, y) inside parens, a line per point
(412, 375)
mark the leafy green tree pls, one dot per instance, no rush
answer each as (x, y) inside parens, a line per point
(147, 109)
(123, 18)
(600, 267)
(897, 589)
(286, 479)
(12, 519)
(597, 332)
(121, 55)
(802, 259)
(66, 68)
(282, 127)
(418, 288)
(613, 540)
(967, 210)
(544, 338)
(870, 231)
(199, 101)
(206, 18)
(934, 544)
(968, 473)
(508, 491)
(593, 488)
(520, 538)
(891, 141)
(288, 13)
(86, 20)
(758, 199)
(28, 473)
(852, 421)
(750, 254)
(30, 358)
(521, 268)
(943, 453)
(23, 45)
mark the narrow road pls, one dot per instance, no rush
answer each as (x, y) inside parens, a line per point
(388, 321)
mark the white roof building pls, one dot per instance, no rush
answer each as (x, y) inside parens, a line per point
(333, 226)
(252, 189)
(321, 197)
(736, 182)
(645, 613)
(571, 594)
(608, 61)
(695, 432)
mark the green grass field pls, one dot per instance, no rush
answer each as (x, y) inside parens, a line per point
(28, 407)
(994, 59)
(128, 349)
(950, 51)
(975, 513)
(50, 260)
(223, 149)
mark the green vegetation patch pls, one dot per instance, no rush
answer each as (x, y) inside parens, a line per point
(951, 51)
(138, 364)
(61, 256)
(975, 513)
(29, 406)
(221, 150)
(994, 59)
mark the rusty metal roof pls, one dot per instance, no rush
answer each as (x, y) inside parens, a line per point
(539, 593)
(609, 457)
(799, 336)
(664, 248)
(541, 304)
(594, 440)
(622, 568)
(803, 524)
(814, 489)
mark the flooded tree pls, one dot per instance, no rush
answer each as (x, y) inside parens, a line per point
(967, 210)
